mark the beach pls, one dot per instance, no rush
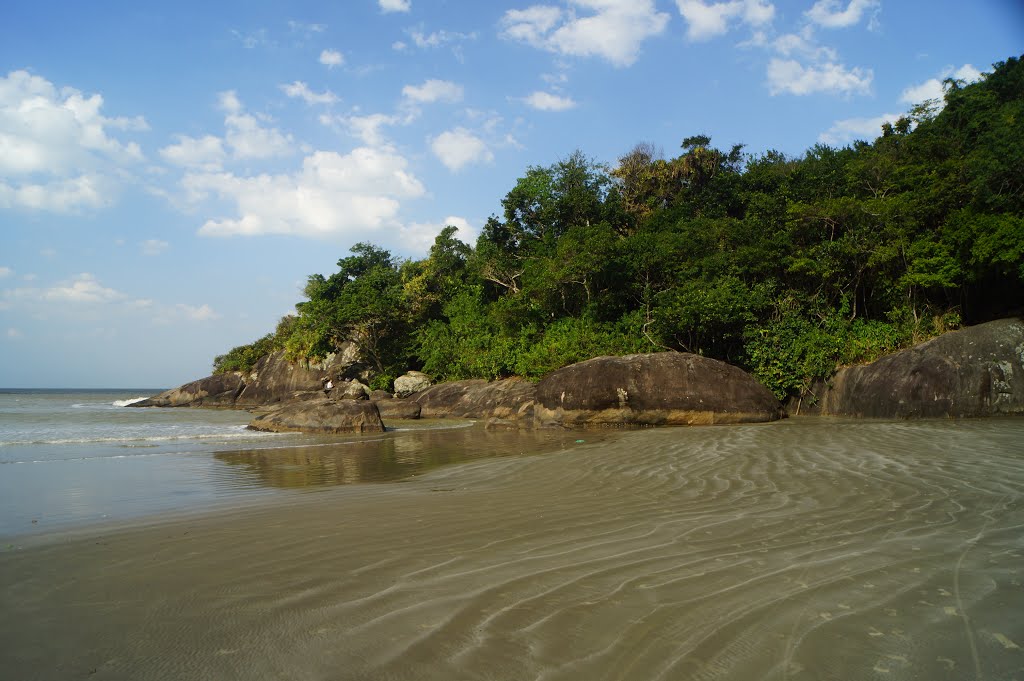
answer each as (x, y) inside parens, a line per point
(806, 549)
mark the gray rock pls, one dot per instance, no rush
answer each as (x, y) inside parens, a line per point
(478, 399)
(219, 390)
(977, 371)
(378, 395)
(322, 416)
(411, 382)
(350, 390)
(667, 388)
(398, 409)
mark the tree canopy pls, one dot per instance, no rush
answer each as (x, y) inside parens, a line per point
(785, 266)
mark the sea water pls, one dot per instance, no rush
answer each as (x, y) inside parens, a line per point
(70, 456)
(75, 457)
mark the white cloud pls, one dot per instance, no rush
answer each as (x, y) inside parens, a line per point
(246, 137)
(85, 288)
(545, 101)
(850, 129)
(790, 76)
(299, 90)
(5, 272)
(252, 39)
(459, 147)
(804, 45)
(934, 88)
(367, 128)
(705, 21)
(332, 58)
(332, 195)
(418, 237)
(433, 91)
(154, 246)
(395, 5)
(202, 313)
(57, 149)
(614, 31)
(205, 152)
(13, 333)
(830, 13)
(434, 39)
(59, 196)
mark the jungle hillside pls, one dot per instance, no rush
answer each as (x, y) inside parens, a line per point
(785, 266)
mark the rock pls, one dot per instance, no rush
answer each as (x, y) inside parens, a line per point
(411, 382)
(378, 395)
(322, 416)
(398, 409)
(350, 390)
(274, 378)
(478, 399)
(219, 390)
(668, 388)
(977, 371)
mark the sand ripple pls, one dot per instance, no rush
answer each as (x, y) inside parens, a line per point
(808, 549)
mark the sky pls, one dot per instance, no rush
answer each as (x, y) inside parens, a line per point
(171, 173)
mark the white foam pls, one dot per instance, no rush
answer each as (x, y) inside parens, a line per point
(125, 403)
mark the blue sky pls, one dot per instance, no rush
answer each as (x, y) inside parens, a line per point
(170, 173)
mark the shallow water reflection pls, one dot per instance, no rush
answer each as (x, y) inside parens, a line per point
(409, 450)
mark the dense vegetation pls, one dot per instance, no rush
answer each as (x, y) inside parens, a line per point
(784, 266)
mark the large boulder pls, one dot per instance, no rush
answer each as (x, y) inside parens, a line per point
(398, 409)
(321, 416)
(667, 388)
(510, 398)
(350, 390)
(411, 382)
(219, 390)
(977, 371)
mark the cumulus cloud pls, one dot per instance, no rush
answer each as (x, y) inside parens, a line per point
(367, 128)
(933, 88)
(299, 90)
(545, 101)
(332, 195)
(395, 5)
(154, 246)
(792, 77)
(195, 152)
(58, 150)
(332, 58)
(709, 20)
(433, 91)
(613, 30)
(831, 14)
(245, 138)
(418, 237)
(850, 129)
(459, 147)
(6, 272)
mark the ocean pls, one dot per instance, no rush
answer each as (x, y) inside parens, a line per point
(77, 457)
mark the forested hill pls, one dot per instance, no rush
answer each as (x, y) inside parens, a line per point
(784, 266)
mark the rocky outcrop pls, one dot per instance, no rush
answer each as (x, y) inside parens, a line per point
(668, 388)
(321, 416)
(220, 390)
(274, 378)
(511, 398)
(411, 382)
(977, 371)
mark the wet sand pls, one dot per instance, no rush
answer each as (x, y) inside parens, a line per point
(808, 549)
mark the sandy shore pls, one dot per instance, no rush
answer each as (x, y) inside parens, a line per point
(788, 550)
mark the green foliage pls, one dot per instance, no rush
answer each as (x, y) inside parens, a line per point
(787, 266)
